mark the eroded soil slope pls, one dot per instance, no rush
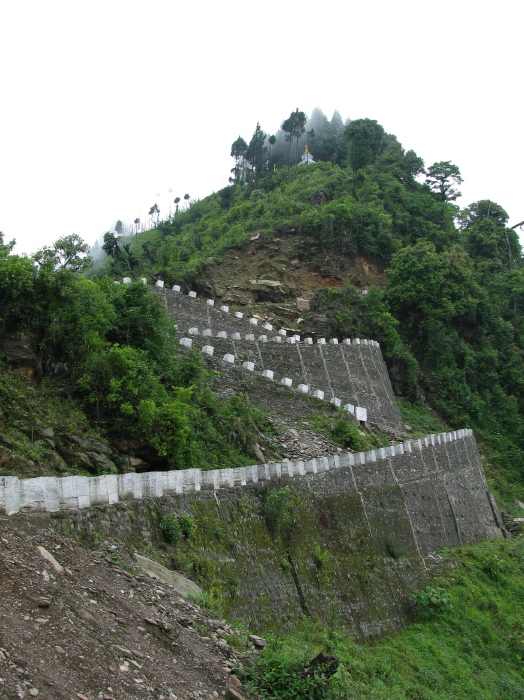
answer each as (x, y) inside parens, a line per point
(94, 630)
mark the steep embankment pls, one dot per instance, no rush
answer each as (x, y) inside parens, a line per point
(91, 624)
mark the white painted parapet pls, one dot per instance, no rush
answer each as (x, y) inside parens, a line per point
(127, 280)
(192, 295)
(229, 358)
(268, 374)
(250, 366)
(186, 342)
(160, 283)
(286, 381)
(176, 287)
(208, 350)
(52, 494)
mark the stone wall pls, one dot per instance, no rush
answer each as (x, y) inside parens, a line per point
(441, 479)
(368, 526)
(350, 373)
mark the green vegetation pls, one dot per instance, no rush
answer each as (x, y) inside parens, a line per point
(115, 347)
(279, 508)
(339, 428)
(175, 529)
(170, 529)
(467, 641)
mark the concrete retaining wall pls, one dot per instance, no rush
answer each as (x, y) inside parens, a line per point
(351, 370)
(441, 479)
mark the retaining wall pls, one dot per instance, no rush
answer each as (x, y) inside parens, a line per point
(351, 371)
(369, 524)
(441, 479)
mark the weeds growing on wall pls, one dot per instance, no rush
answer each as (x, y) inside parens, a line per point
(466, 640)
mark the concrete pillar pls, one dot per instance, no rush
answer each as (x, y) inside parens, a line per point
(160, 283)
(268, 373)
(225, 309)
(253, 321)
(193, 331)
(208, 350)
(235, 336)
(176, 287)
(193, 295)
(361, 414)
(318, 394)
(303, 388)
(239, 314)
(221, 334)
(335, 402)
(250, 366)
(210, 302)
(286, 381)
(32, 495)
(186, 342)
(207, 333)
(229, 358)
(249, 336)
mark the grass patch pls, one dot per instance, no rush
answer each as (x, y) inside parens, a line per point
(470, 647)
(339, 428)
(423, 420)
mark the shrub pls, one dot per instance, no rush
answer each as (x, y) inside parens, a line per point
(187, 525)
(170, 529)
(431, 601)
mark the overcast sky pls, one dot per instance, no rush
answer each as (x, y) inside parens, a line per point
(108, 107)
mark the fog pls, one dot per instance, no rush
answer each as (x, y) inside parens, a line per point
(110, 107)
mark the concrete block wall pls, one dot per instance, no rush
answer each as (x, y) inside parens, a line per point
(352, 370)
(438, 482)
(253, 357)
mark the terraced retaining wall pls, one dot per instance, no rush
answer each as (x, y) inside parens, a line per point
(368, 526)
(352, 371)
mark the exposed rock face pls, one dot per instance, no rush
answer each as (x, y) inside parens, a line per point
(20, 356)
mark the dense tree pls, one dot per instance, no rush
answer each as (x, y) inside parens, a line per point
(177, 202)
(68, 252)
(486, 237)
(238, 152)
(256, 152)
(137, 224)
(110, 246)
(119, 227)
(441, 178)
(294, 126)
(155, 210)
(366, 140)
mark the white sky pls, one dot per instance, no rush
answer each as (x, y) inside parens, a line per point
(106, 106)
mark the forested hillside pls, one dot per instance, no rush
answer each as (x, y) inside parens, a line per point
(447, 309)
(331, 229)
